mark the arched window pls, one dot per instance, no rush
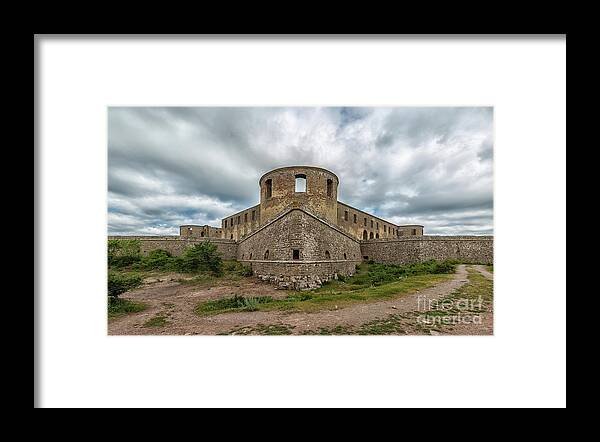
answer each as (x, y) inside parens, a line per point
(329, 187)
(300, 183)
(250, 255)
(327, 254)
(202, 234)
(267, 254)
(371, 235)
(365, 234)
(231, 236)
(345, 256)
(377, 236)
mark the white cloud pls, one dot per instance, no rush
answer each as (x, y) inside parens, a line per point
(170, 166)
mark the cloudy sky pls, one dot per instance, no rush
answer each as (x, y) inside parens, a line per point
(425, 165)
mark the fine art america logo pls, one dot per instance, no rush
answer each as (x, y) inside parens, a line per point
(449, 311)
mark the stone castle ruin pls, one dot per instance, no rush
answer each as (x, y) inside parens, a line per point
(300, 235)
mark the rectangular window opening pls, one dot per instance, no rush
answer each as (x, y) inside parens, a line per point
(295, 254)
(269, 188)
(300, 183)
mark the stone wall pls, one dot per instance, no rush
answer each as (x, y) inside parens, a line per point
(479, 249)
(325, 251)
(195, 231)
(176, 245)
(410, 230)
(301, 275)
(318, 198)
(296, 229)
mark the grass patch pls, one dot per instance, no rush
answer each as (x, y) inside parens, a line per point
(473, 298)
(262, 329)
(330, 331)
(119, 283)
(490, 268)
(233, 273)
(234, 303)
(372, 282)
(159, 320)
(118, 307)
(378, 274)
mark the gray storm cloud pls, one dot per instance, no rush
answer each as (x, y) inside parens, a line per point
(175, 165)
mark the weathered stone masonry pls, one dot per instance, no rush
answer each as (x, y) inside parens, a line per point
(176, 245)
(300, 235)
(478, 249)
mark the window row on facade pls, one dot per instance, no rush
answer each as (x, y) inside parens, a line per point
(366, 222)
(240, 219)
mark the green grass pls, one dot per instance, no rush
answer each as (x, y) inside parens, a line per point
(262, 329)
(234, 303)
(159, 320)
(490, 267)
(118, 307)
(372, 282)
(478, 287)
(327, 331)
(377, 274)
(463, 301)
(233, 273)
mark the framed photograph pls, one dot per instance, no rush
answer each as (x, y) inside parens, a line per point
(300, 221)
(321, 233)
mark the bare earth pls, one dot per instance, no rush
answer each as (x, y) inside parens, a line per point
(176, 302)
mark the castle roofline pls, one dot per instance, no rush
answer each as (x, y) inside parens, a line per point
(298, 167)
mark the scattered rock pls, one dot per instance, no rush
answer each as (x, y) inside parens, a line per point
(394, 307)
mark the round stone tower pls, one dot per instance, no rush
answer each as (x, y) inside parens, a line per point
(305, 187)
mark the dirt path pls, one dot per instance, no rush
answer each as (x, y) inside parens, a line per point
(486, 326)
(485, 272)
(177, 302)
